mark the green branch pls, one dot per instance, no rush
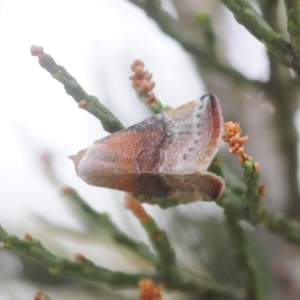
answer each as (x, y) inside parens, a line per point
(293, 19)
(62, 266)
(156, 106)
(258, 213)
(206, 28)
(86, 270)
(90, 103)
(244, 258)
(234, 210)
(191, 43)
(100, 220)
(204, 290)
(246, 15)
(104, 222)
(157, 237)
(160, 242)
(253, 195)
(282, 83)
(246, 203)
(170, 274)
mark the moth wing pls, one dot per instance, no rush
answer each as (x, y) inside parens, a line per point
(195, 186)
(118, 159)
(159, 155)
(196, 129)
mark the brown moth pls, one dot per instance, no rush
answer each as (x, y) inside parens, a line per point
(163, 156)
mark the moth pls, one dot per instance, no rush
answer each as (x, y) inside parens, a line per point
(166, 155)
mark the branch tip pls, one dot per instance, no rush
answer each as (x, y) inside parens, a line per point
(142, 83)
(40, 295)
(236, 142)
(80, 257)
(66, 190)
(37, 51)
(29, 237)
(141, 79)
(136, 207)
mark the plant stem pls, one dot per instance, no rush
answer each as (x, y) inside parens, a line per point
(157, 237)
(293, 19)
(247, 204)
(90, 103)
(204, 55)
(283, 93)
(87, 270)
(244, 258)
(104, 222)
(62, 266)
(246, 15)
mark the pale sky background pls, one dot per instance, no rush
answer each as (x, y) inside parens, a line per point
(96, 41)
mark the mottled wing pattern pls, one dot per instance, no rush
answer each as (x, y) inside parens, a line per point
(196, 131)
(165, 155)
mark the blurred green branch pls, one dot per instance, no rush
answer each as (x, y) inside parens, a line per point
(258, 213)
(143, 85)
(104, 222)
(247, 203)
(86, 269)
(191, 43)
(293, 19)
(157, 237)
(246, 15)
(248, 265)
(283, 89)
(93, 219)
(206, 27)
(62, 266)
(41, 296)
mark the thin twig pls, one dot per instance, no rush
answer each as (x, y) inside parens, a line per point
(62, 266)
(104, 222)
(191, 43)
(244, 258)
(85, 101)
(143, 84)
(283, 93)
(157, 237)
(170, 275)
(251, 207)
(246, 15)
(293, 22)
(85, 269)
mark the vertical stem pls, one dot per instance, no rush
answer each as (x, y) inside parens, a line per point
(284, 95)
(293, 19)
(245, 261)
